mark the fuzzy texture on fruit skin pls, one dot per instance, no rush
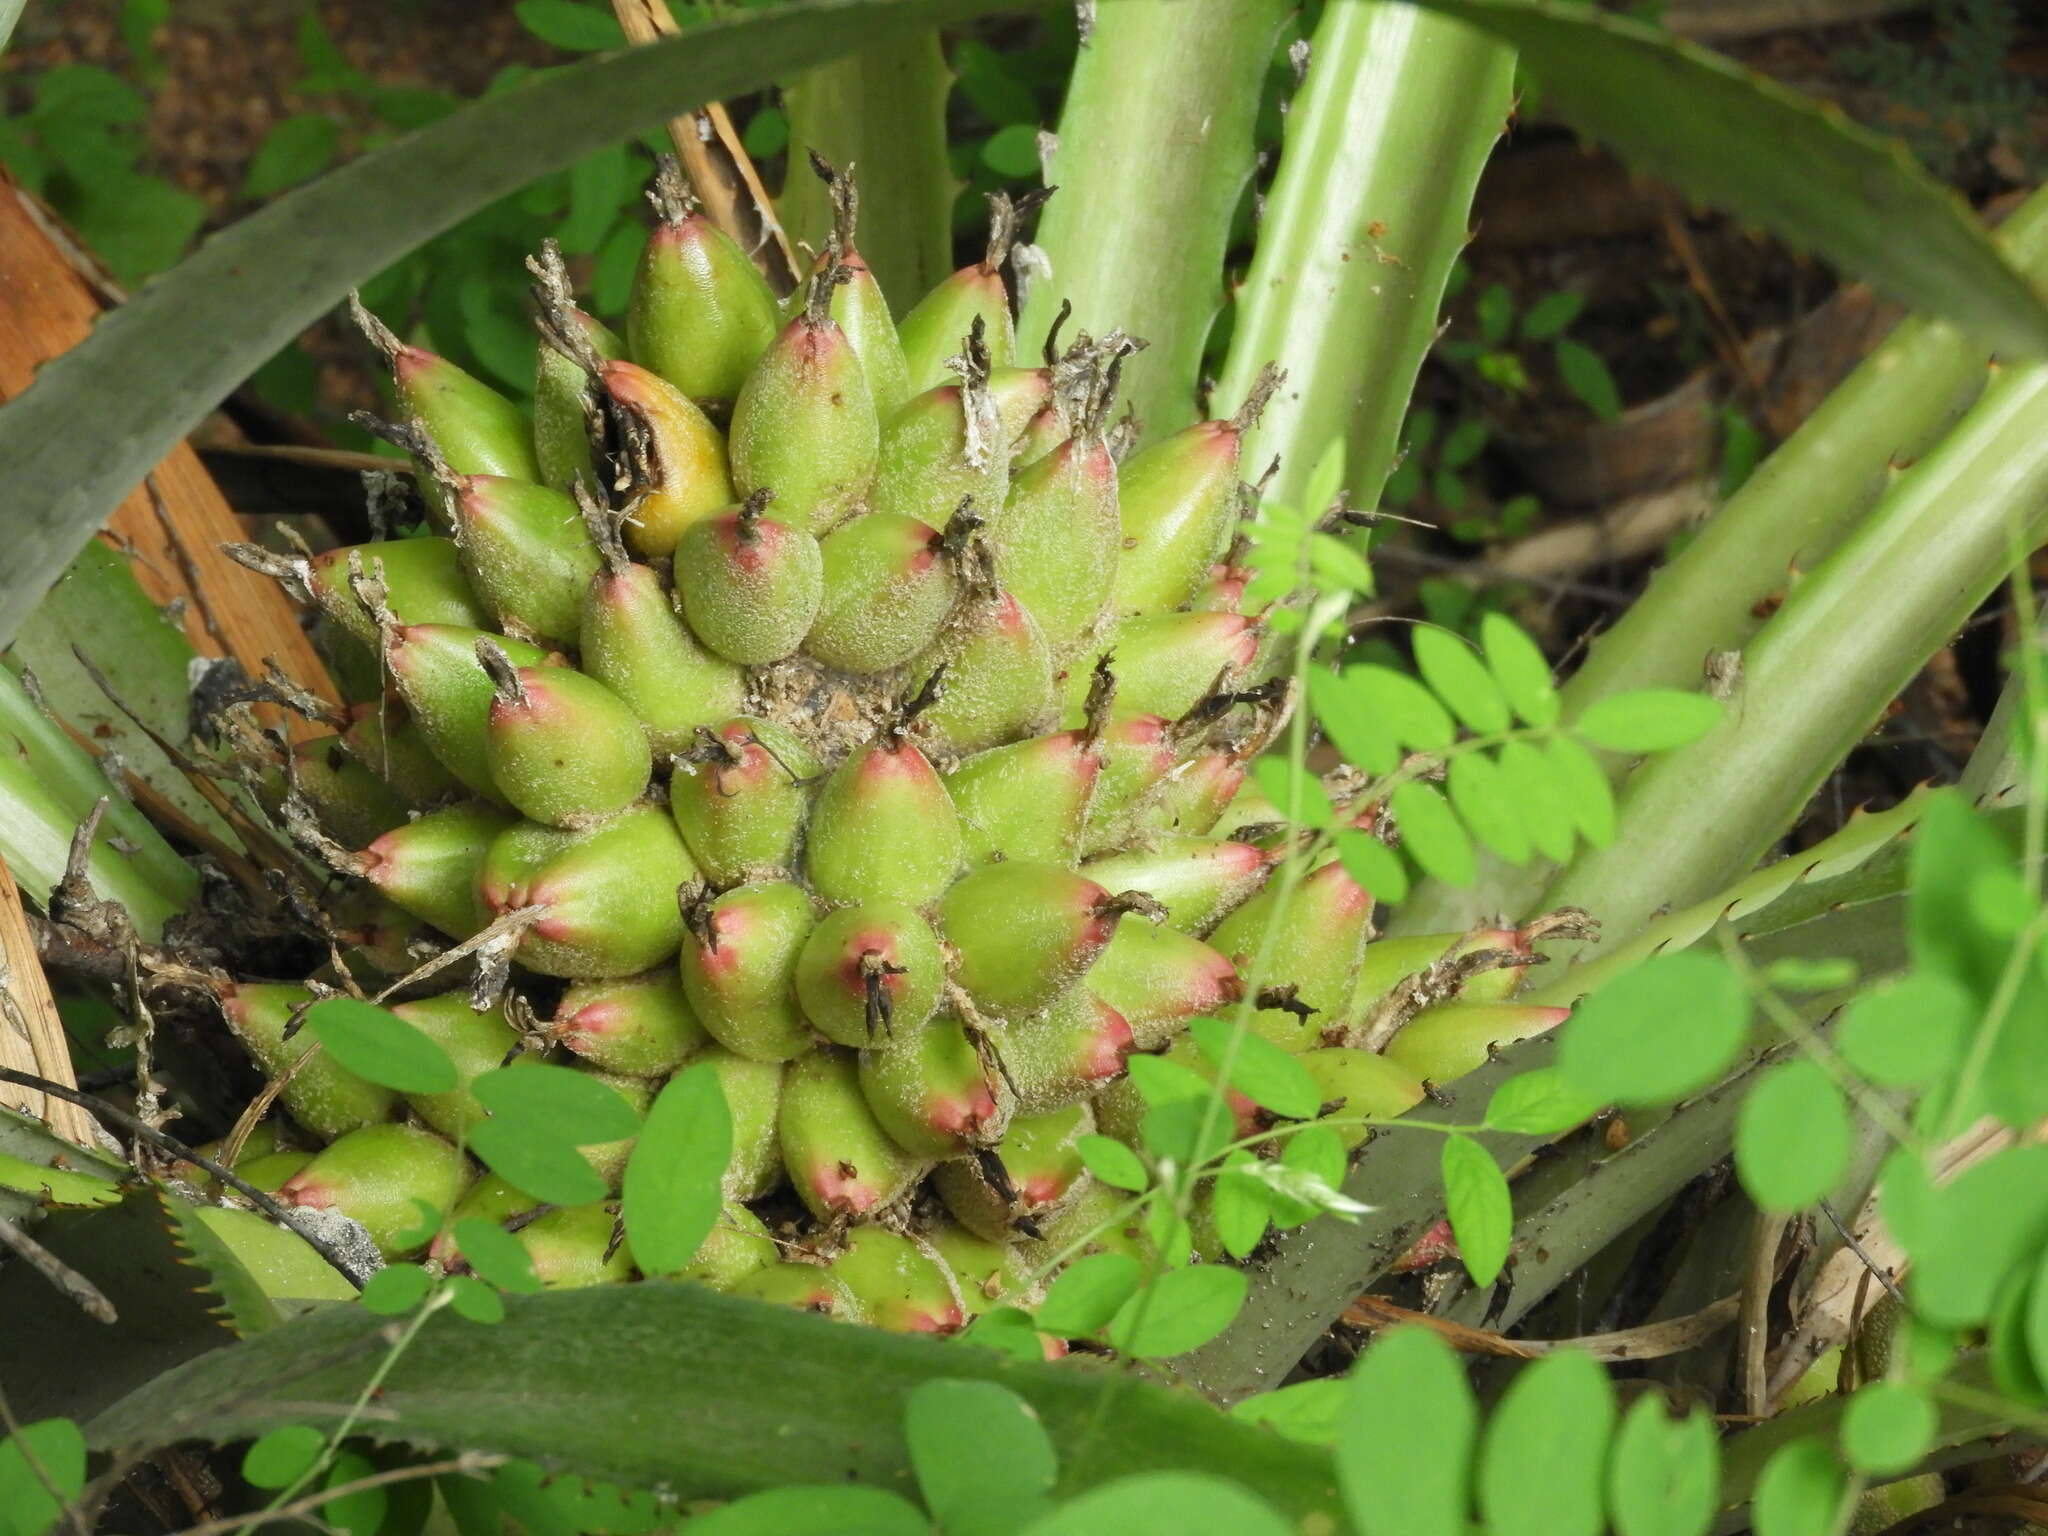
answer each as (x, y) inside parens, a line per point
(819, 700)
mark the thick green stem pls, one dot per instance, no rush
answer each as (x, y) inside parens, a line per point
(1794, 510)
(1155, 150)
(1815, 680)
(1368, 210)
(883, 112)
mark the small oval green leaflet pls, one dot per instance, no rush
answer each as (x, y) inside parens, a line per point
(674, 1184)
(1540, 1470)
(1308, 1411)
(1647, 720)
(1182, 1309)
(1401, 705)
(1584, 785)
(360, 1511)
(1485, 806)
(1663, 1478)
(1008, 1331)
(542, 1166)
(1538, 1103)
(1887, 1427)
(820, 1510)
(1800, 1492)
(1295, 793)
(1164, 1504)
(2037, 1318)
(1362, 737)
(1262, 1072)
(1792, 1136)
(1908, 1033)
(1405, 1441)
(57, 1449)
(1519, 666)
(1113, 1163)
(1433, 836)
(376, 1044)
(1477, 1201)
(1239, 1204)
(1546, 808)
(1460, 679)
(984, 1463)
(496, 1255)
(1372, 864)
(1966, 1237)
(557, 1102)
(280, 1458)
(1656, 1032)
(1088, 1293)
(396, 1288)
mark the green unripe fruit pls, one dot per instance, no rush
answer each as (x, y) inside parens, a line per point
(1158, 978)
(1041, 1170)
(282, 1263)
(933, 1091)
(352, 804)
(475, 1042)
(1166, 663)
(998, 679)
(934, 455)
(430, 866)
(1179, 500)
(1137, 755)
(435, 670)
(899, 1285)
(749, 585)
(1081, 1045)
(1056, 539)
(740, 802)
(804, 426)
(1022, 933)
(1020, 397)
(562, 747)
(1389, 962)
(1316, 947)
(1199, 880)
(840, 1160)
(489, 1199)
(804, 1287)
(860, 310)
(561, 394)
(422, 582)
(323, 1095)
(700, 314)
(379, 1177)
(1360, 1084)
(608, 894)
(636, 644)
(640, 1025)
(1443, 1043)
(888, 587)
(732, 1250)
(739, 963)
(685, 477)
(883, 829)
(477, 430)
(986, 1271)
(572, 1248)
(868, 971)
(1192, 798)
(270, 1172)
(1222, 590)
(753, 1097)
(527, 554)
(382, 737)
(1028, 800)
(932, 331)
(1100, 1215)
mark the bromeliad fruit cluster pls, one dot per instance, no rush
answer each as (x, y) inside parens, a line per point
(824, 698)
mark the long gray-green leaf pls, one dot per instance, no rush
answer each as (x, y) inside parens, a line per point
(1797, 167)
(1369, 208)
(1156, 147)
(97, 418)
(671, 1383)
